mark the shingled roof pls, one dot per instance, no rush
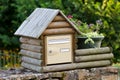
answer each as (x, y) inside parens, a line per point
(38, 21)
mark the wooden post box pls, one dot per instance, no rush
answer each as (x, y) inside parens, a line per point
(48, 43)
(47, 38)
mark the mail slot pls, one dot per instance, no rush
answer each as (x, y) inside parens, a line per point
(58, 49)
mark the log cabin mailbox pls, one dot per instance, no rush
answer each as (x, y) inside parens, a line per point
(48, 41)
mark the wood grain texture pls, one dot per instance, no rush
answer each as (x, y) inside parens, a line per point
(74, 43)
(71, 23)
(58, 31)
(91, 51)
(59, 50)
(59, 18)
(93, 57)
(33, 48)
(73, 66)
(31, 60)
(60, 24)
(33, 41)
(31, 54)
(73, 47)
(37, 22)
(31, 66)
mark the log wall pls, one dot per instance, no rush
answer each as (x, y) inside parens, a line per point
(33, 59)
(32, 53)
(85, 58)
(93, 54)
(59, 26)
(84, 61)
(64, 67)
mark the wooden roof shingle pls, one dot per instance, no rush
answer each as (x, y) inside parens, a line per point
(38, 21)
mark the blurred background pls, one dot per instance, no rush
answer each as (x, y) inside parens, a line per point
(14, 12)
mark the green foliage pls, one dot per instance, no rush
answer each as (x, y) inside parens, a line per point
(13, 13)
(9, 59)
(88, 30)
(8, 24)
(109, 12)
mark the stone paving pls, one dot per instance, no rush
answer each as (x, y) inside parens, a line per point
(103, 73)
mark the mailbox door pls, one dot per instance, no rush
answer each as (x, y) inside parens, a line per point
(58, 49)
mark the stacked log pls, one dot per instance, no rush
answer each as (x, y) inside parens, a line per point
(73, 66)
(59, 26)
(85, 58)
(32, 58)
(93, 54)
(32, 52)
